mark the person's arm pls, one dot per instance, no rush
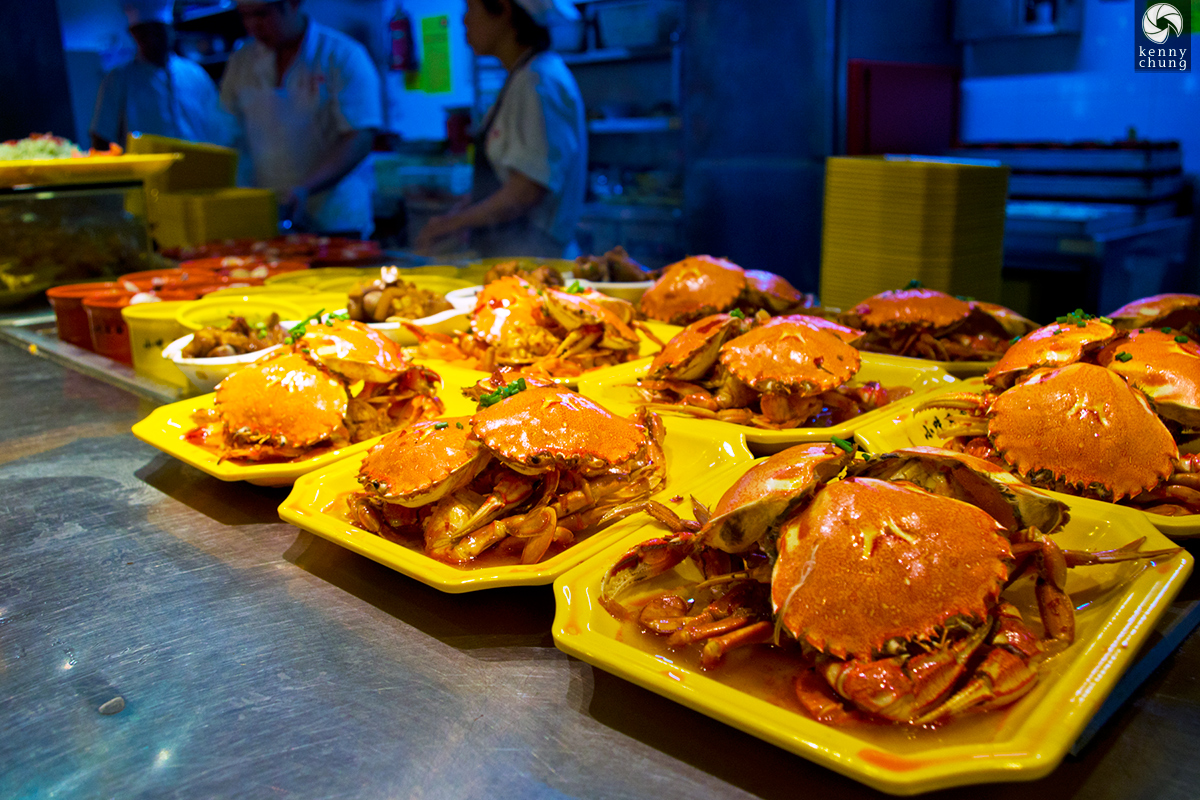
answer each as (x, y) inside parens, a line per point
(346, 154)
(515, 198)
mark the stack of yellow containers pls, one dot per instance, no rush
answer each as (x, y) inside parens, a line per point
(893, 219)
(195, 201)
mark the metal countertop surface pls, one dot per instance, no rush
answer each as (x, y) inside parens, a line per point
(257, 660)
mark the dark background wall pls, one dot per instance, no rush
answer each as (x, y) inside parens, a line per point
(33, 71)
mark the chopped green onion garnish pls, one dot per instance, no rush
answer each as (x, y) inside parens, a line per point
(576, 288)
(1181, 339)
(1105, 320)
(502, 393)
(300, 327)
(1014, 340)
(737, 313)
(842, 443)
(1166, 330)
(914, 284)
(458, 425)
(441, 426)
(1123, 357)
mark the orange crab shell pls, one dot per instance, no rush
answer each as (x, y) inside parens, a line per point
(423, 463)
(1054, 345)
(1085, 425)
(552, 427)
(1174, 310)
(286, 400)
(847, 334)
(790, 356)
(1009, 321)
(574, 310)
(693, 288)
(768, 491)
(772, 292)
(356, 351)
(691, 353)
(503, 306)
(1166, 369)
(868, 561)
(922, 308)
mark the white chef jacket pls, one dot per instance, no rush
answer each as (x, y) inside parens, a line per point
(331, 88)
(178, 100)
(539, 129)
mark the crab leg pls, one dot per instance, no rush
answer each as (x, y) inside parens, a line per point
(510, 489)
(1058, 613)
(641, 563)
(903, 687)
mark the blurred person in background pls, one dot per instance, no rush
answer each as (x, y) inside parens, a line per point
(531, 152)
(158, 92)
(307, 102)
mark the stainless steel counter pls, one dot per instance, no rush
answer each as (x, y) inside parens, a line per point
(256, 660)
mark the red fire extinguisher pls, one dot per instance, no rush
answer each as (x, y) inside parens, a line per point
(404, 51)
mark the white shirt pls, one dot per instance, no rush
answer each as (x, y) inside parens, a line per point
(539, 130)
(330, 89)
(179, 100)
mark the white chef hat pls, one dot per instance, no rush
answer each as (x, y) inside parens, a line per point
(139, 11)
(545, 12)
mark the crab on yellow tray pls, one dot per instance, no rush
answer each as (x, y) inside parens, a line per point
(337, 388)
(541, 331)
(964, 337)
(324, 502)
(874, 576)
(621, 386)
(1079, 407)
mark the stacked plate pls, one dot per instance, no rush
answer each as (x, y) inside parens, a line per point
(892, 219)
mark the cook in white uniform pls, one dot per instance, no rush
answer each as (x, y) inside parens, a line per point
(531, 154)
(158, 92)
(308, 102)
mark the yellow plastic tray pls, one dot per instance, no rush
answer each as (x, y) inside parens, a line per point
(91, 169)
(165, 427)
(690, 453)
(1119, 606)
(613, 386)
(909, 427)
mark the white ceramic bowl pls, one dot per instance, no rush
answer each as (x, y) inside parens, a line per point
(206, 373)
(451, 321)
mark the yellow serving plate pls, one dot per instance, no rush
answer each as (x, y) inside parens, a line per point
(312, 505)
(165, 427)
(90, 169)
(613, 386)
(910, 427)
(1118, 606)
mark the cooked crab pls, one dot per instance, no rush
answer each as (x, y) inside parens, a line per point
(926, 323)
(529, 473)
(887, 584)
(780, 372)
(1081, 407)
(543, 330)
(338, 384)
(702, 285)
(1178, 311)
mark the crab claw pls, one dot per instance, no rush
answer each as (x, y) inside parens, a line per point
(650, 558)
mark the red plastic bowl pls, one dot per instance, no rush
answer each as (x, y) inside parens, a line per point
(109, 333)
(70, 320)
